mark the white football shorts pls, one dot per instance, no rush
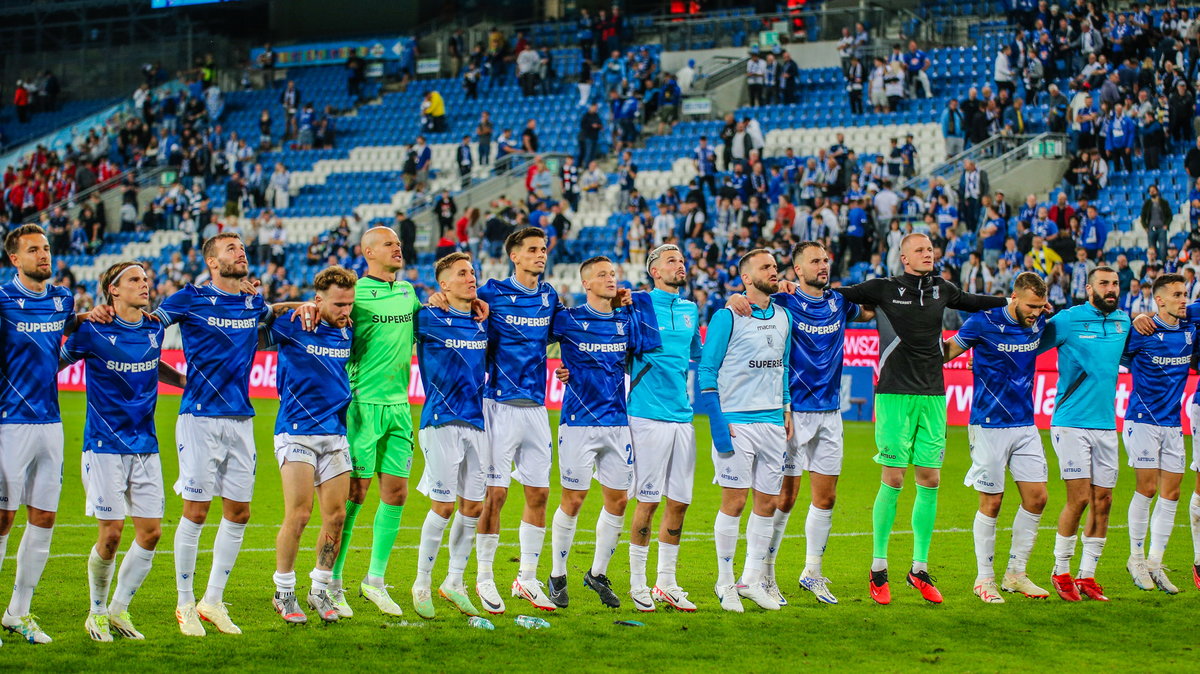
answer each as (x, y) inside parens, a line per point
(757, 459)
(993, 449)
(605, 452)
(452, 469)
(1086, 453)
(664, 460)
(518, 444)
(329, 455)
(31, 466)
(816, 444)
(216, 458)
(120, 485)
(1158, 447)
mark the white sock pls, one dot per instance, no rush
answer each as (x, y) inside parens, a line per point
(134, 569)
(1092, 549)
(532, 540)
(668, 557)
(608, 532)
(758, 539)
(32, 554)
(427, 552)
(187, 545)
(485, 553)
(3, 549)
(725, 532)
(638, 554)
(985, 547)
(562, 535)
(1025, 529)
(1139, 521)
(321, 578)
(778, 529)
(225, 553)
(285, 583)
(1194, 517)
(917, 567)
(462, 539)
(100, 573)
(1064, 550)
(817, 526)
(1160, 528)
(878, 564)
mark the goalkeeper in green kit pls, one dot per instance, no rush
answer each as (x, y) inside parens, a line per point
(910, 399)
(378, 420)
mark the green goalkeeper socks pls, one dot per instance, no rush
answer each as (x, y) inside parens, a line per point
(386, 528)
(923, 514)
(883, 516)
(352, 509)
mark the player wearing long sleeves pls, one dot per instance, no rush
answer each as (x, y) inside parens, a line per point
(660, 422)
(593, 438)
(1083, 430)
(744, 386)
(34, 316)
(1153, 432)
(310, 439)
(122, 472)
(452, 350)
(910, 399)
(1002, 434)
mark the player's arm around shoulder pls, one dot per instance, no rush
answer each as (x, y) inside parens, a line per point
(76, 347)
(1058, 329)
(871, 291)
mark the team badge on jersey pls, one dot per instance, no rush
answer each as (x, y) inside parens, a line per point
(249, 301)
(935, 292)
(621, 329)
(58, 304)
(153, 341)
(687, 322)
(1119, 328)
(545, 299)
(832, 304)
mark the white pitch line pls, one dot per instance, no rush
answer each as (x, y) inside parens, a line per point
(687, 538)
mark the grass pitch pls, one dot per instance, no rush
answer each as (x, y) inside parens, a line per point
(1136, 631)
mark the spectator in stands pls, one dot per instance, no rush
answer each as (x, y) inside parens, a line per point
(527, 70)
(21, 102)
(465, 163)
(483, 138)
(590, 126)
(506, 149)
(953, 128)
(569, 175)
(444, 209)
(291, 101)
(1119, 135)
(466, 231)
(855, 79)
(1156, 217)
(971, 186)
(1093, 233)
(1003, 70)
(669, 104)
(592, 183)
(756, 73)
(424, 162)
(916, 66)
(893, 85)
(529, 137)
(1153, 140)
(877, 86)
(433, 112)
(277, 191)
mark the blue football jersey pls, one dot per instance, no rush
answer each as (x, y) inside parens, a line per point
(1004, 367)
(121, 361)
(220, 337)
(519, 332)
(594, 345)
(313, 385)
(1159, 364)
(32, 331)
(452, 351)
(818, 339)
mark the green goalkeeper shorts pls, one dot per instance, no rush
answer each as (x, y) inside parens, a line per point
(380, 438)
(910, 429)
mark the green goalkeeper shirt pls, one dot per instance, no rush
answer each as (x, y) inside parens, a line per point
(380, 364)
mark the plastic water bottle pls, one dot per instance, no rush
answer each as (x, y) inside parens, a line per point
(481, 623)
(532, 623)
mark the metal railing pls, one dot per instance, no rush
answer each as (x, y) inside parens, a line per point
(727, 68)
(1042, 146)
(949, 169)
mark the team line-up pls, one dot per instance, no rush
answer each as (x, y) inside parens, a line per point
(770, 380)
